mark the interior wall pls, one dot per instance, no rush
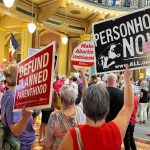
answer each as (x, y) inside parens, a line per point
(49, 38)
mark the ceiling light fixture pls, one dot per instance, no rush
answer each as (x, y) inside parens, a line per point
(65, 38)
(31, 25)
(8, 3)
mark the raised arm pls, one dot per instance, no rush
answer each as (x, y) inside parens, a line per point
(85, 84)
(123, 117)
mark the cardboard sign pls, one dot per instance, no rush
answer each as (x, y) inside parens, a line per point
(146, 47)
(119, 41)
(35, 80)
(32, 51)
(83, 55)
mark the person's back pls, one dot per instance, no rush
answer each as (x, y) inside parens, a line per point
(61, 121)
(129, 142)
(116, 97)
(99, 137)
(80, 90)
(116, 102)
(74, 84)
(133, 116)
(20, 124)
(57, 84)
(93, 80)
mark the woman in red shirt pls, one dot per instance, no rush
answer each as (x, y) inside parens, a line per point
(96, 134)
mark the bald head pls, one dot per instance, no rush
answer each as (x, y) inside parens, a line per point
(112, 80)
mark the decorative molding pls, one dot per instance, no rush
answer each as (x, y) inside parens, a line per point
(3, 29)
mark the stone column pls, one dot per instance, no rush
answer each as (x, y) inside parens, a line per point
(143, 73)
(36, 40)
(2, 44)
(62, 58)
(26, 41)
(136, 74)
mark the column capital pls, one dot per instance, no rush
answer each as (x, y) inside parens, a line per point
(39, 26)
(24, 25)
(3, 29)
(86, 37)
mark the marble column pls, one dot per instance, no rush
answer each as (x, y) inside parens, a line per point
(2, 44)
(26, 41)
(63, 58)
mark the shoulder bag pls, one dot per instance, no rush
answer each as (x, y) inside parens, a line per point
(79, 139)
(64, 120)
(8, 141)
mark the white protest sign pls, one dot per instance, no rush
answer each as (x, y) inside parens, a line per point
(32, 51)
(83, 55)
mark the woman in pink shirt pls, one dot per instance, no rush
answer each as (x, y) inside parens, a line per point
(129, 141)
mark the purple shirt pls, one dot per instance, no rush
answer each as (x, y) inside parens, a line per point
(28, 135)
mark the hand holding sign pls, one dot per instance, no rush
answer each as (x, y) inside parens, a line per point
(127, 73)
(26, 113)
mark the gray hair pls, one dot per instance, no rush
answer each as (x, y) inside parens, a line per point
(68, 94)
(96, 102)
(101, 83)
(112, 78)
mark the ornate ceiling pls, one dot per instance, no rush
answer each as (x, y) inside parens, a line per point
(37, 1)
(74, 17)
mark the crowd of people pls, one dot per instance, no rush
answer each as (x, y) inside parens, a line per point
(84, 114)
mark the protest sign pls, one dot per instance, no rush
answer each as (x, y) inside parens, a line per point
(35, 80)
(83, 55)
(146, 47)
(119, 41)
(32, 51)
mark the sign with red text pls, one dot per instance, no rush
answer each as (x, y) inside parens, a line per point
(32, 51)
(83, 55)
(35, 80)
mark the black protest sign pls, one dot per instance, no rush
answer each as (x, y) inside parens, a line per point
(119, 41)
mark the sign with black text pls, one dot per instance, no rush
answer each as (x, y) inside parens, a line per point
(120, 41)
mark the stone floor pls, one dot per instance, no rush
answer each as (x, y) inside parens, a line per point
(142, 141)
(141, 130)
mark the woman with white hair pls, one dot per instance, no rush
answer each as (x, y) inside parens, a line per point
(61, 121)
(143, 102)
